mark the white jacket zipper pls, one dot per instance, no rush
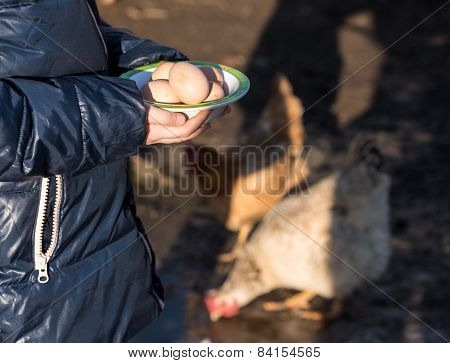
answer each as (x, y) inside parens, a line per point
(42, 258)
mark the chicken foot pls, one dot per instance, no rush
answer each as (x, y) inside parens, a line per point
(302, 300)
(333, 313)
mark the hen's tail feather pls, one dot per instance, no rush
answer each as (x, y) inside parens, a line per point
(281, 85)
(287, 113)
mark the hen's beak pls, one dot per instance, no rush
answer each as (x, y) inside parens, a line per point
(214, 316)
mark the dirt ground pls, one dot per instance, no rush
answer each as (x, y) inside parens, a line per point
(399, 95)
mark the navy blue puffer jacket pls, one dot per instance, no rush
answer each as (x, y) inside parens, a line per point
(74, 263)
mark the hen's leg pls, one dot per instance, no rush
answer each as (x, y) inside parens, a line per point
(301, 300)
(333, 313)
(240, 242)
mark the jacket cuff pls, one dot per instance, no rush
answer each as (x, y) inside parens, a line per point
(120, 128)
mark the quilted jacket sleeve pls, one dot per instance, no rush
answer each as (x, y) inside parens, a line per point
(67, 124)
(126, 51)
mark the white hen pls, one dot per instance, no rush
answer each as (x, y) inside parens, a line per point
(321, 243)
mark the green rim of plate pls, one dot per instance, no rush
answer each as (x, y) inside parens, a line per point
(244, 85)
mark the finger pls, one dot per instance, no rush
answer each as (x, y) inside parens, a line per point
(155, 132)
(197, 133)
(185, 130)
(200, 117)
(173, 132)
(163, 117)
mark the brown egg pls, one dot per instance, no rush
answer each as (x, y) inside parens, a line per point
(159, 91)
(213, 74)
(162, 72)
(216, 92)
(189, 83)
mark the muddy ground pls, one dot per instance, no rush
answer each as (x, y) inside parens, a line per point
(399, 95)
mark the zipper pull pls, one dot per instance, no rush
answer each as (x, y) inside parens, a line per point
(41, 266)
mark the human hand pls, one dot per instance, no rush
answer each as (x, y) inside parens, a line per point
(165, 127)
